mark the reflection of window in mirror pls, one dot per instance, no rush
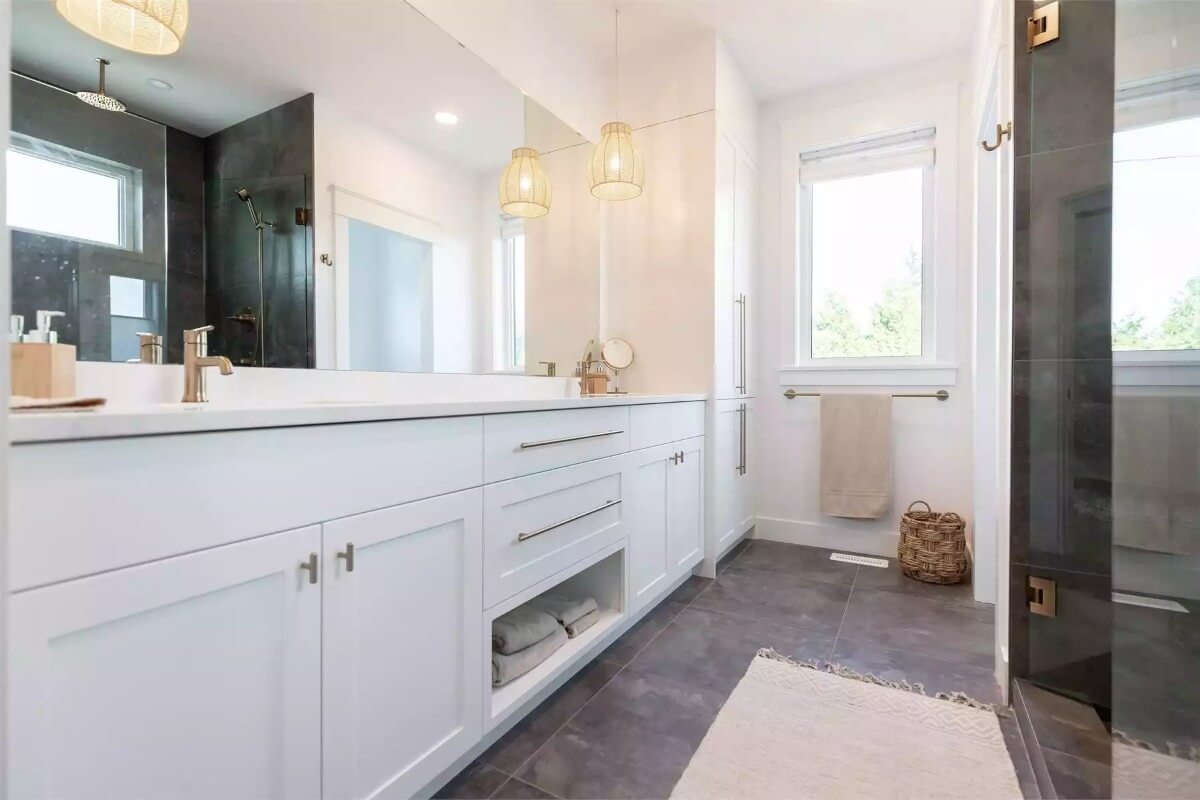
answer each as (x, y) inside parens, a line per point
(131, 305)
(54, 190)
(508, 293)
(1156, 206)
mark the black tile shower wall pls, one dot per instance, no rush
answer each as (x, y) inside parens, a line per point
(271, 155)
(57, 273)
(1061, 512)
(185, 240)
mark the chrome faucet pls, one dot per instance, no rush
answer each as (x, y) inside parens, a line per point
(195, 360)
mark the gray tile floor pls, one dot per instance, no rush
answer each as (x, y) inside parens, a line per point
(629, 722)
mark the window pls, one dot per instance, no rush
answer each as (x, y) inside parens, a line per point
(58, 191)
(865, 241)
(509, 298)
(1156, 239)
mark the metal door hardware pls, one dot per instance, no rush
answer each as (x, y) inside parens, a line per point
(310, 567)
(1042, 27)
(1042, 596)
(348, 556)
(1001, 132)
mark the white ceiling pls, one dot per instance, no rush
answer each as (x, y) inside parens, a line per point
(789, 46)
(378, 60)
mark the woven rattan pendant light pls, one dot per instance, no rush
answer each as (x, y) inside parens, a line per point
(524, 187)
(151, 27)
(616, 171)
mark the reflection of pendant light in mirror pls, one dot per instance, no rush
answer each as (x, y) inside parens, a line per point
(524, 187)
(98, 98)
(616, 171)
(152, 27)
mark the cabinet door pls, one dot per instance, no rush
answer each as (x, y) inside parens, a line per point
(685, 532)
(729, 484)
(647, 500)
(727, 316)
(744, 494)
(403, 646)
(192, 677)
(743, 266)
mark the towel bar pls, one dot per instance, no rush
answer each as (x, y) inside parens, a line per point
(941, 394)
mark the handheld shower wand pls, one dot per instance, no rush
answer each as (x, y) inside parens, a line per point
(260, 343)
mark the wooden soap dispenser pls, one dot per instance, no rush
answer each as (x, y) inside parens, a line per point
(41, 367)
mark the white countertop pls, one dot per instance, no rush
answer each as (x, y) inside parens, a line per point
(114, 421)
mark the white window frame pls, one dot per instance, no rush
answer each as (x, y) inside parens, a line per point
(504, 321)
(1139, 104)
(129, 182)
(818, 129)
(872, 162)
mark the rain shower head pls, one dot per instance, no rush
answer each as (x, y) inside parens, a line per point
(98, 98)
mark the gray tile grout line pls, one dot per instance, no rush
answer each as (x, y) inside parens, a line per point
(624, 666)
(845, 611)
(654, 638)
(596, 694)
(496, 793)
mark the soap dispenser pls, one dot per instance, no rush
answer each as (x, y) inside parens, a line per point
(16, 328)
(43, 333)
(41, 367)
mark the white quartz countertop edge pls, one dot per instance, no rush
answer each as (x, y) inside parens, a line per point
(118, 421)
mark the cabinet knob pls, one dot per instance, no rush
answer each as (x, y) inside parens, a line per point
(348, 556)
(311, 567)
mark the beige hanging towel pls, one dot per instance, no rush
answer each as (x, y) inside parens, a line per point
(856, 455)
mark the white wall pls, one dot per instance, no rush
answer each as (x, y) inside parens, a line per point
(563, 266)
(931, 445)
(354, 155)
(533, 44)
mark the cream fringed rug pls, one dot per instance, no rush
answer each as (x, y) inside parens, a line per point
(792, 731)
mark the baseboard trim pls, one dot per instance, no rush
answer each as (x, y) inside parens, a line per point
(831, 537)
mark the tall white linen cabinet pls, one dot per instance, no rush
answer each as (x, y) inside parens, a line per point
(681, 268)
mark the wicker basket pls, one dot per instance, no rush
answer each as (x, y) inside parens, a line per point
(933, 547)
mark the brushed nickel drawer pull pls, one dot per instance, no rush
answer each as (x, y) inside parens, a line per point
(311, 567)
(528, 445)
(529, 535)
(348, 555)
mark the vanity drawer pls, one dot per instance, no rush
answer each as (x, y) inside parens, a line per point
(538, 525)
(522, 444)
(660, 423)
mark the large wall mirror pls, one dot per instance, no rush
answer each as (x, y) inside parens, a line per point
(316, 179)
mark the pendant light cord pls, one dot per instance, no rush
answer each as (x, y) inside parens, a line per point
(616, 62)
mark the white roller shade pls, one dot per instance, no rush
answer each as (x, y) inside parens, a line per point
(912, 148)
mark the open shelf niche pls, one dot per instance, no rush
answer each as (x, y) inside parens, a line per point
(602, 576)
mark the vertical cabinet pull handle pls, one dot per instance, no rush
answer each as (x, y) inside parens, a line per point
(743, 344)
(348, 555)
(740, 302)
(741, 466)
(311, 567)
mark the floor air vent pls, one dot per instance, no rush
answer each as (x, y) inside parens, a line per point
(864, 561)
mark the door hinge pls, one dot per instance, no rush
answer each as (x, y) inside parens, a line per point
(1042, 27)
(1041, 594)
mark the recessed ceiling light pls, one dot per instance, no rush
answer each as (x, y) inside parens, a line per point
(159, 83)
(446, 117)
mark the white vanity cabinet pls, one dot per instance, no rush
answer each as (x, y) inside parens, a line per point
(402, 644)
(303, 612)
(197, 676)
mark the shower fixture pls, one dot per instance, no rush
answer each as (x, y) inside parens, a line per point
(255, 217)
(98, 98)
(260, 224)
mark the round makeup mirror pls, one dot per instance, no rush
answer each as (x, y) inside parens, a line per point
(617, 354)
